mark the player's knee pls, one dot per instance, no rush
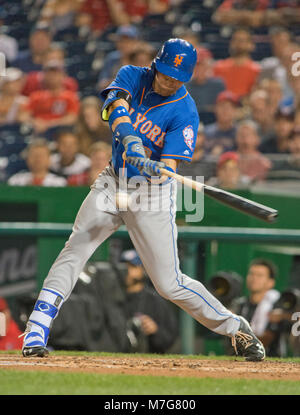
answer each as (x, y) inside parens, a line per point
(169, 292)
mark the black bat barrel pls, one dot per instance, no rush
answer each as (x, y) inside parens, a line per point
(242, 204)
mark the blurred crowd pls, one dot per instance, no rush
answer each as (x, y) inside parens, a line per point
(60, 54)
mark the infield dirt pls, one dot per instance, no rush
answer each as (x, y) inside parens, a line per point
(160, 366)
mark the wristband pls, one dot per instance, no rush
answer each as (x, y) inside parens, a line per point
(118, 112)
(123, 130)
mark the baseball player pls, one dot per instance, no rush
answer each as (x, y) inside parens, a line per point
(154, 123)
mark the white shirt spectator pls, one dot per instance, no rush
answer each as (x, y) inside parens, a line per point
(80, 164)
(26, 179)
(9, 46)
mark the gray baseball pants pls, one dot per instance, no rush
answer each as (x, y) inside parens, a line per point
(150, 221)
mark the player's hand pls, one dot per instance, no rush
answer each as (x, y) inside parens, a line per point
(148, 167)
(134, 149)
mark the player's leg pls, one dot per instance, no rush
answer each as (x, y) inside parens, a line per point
(92, 226)
(154, 235)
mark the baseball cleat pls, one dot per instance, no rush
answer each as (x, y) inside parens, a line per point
(35, 340)
(246, 344)
(35, 351)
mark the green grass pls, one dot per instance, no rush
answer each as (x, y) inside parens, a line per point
(15, 382)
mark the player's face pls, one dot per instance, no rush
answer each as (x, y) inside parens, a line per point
(165, 85)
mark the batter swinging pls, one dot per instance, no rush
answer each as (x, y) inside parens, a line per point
(154, 122)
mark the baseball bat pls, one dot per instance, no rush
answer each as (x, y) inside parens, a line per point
(242, 204)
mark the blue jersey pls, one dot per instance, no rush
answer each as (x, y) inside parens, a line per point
(167, 125)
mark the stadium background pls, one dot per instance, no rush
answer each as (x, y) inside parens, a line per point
(85, 53)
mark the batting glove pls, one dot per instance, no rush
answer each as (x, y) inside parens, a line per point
(148, 167)
(134, 149)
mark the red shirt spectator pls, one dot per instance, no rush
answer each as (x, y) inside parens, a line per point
(11, 340)
(239, 72)
(242, 4)
(139, 8)
(49, 106)
(54, 106)
(35, 82)
(103, 13)
(239, 79)
(99, 13)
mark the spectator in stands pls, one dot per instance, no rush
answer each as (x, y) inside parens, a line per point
(137, 10)
(10, 340)
(199, 146)
(59, 14)
(273, 67)
(228, 173)
(297, 117)
(257, 13)
(142, 56)
(89, 127)
(99, 15)
(100, 155)
(252, 162)
(189, 35)
(54, 106)
(293, 101)
(274, 92)
(257, 305)
(8, 45)
(11, 99)
(289, 167)
(38, 163)
(283, 126)
(126, 39)
(241, 13)
(150, 318)
(37, 80)
(239, 71)
(67, 160)
(39, 43)
(261, 111)
(204, 87)
(220, 136)
(285, 13)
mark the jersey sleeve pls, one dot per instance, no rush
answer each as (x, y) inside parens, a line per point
(127, 79)
(180, 139)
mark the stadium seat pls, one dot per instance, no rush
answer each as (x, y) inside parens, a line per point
(14, 139)
(207, 117)
(15, 164)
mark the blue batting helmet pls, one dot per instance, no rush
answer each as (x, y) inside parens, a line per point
(177, 59)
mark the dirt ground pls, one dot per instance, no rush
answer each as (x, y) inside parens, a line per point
(160, 366)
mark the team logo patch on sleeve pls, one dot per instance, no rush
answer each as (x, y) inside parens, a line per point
(188, 134)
